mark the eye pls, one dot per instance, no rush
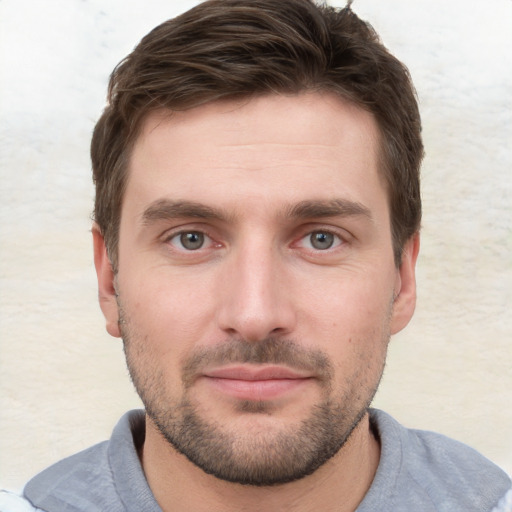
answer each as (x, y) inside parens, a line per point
(321, 240)
(189, 240)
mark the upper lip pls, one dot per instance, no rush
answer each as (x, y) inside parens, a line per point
(255, 372)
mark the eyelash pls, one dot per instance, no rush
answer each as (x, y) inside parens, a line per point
(337, 240)
(175, 235)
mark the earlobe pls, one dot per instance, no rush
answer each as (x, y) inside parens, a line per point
(106, 286)
(405, 290)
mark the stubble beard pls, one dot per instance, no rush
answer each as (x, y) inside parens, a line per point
(257, 458)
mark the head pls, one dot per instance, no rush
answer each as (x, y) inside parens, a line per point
(235, 49)
(257, 204)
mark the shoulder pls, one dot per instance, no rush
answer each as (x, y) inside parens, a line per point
(434, 471)
(62, 484)
(438, 460)
(10, 502)
(87, 480)
(505, 504)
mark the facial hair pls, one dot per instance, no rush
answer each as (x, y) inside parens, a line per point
(256, 458)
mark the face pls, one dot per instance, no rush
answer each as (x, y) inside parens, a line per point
(256, 288)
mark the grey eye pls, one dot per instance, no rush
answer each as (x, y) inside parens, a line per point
(192, 241)
(321, 240)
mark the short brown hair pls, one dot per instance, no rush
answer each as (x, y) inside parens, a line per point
(229, 49)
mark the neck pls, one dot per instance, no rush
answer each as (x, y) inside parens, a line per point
(339, 485)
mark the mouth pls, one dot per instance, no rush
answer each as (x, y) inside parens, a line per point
(255, 382)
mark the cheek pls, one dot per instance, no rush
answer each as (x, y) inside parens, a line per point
(350, 320)
(351, 302)
(170, 315)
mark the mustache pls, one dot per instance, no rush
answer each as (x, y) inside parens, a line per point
(267, 351)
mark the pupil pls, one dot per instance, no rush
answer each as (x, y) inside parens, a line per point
(322, 240)
(192, 241)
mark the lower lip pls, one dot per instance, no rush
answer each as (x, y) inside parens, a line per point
(256, 390)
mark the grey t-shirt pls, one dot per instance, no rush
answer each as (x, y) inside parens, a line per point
(418, 471)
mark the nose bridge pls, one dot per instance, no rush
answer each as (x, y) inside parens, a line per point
(255, 301)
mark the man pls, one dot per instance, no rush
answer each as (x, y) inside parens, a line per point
(256, 233)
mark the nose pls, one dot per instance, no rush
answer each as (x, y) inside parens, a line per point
(256, 299)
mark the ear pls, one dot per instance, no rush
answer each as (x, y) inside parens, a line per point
(405, 286)
(106, 288)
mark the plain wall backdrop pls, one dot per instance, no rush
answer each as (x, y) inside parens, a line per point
(63, 382)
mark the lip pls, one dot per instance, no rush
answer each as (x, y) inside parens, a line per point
(256, 383)
(254, 372)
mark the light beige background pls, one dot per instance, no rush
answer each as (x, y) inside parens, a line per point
(63, 382)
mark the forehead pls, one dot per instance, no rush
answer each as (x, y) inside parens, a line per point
(280, 148)
(307, 118)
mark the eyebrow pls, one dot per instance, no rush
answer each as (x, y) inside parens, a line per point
(166, 209)
(328, 208)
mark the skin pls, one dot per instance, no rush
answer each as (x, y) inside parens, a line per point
(266, 174)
